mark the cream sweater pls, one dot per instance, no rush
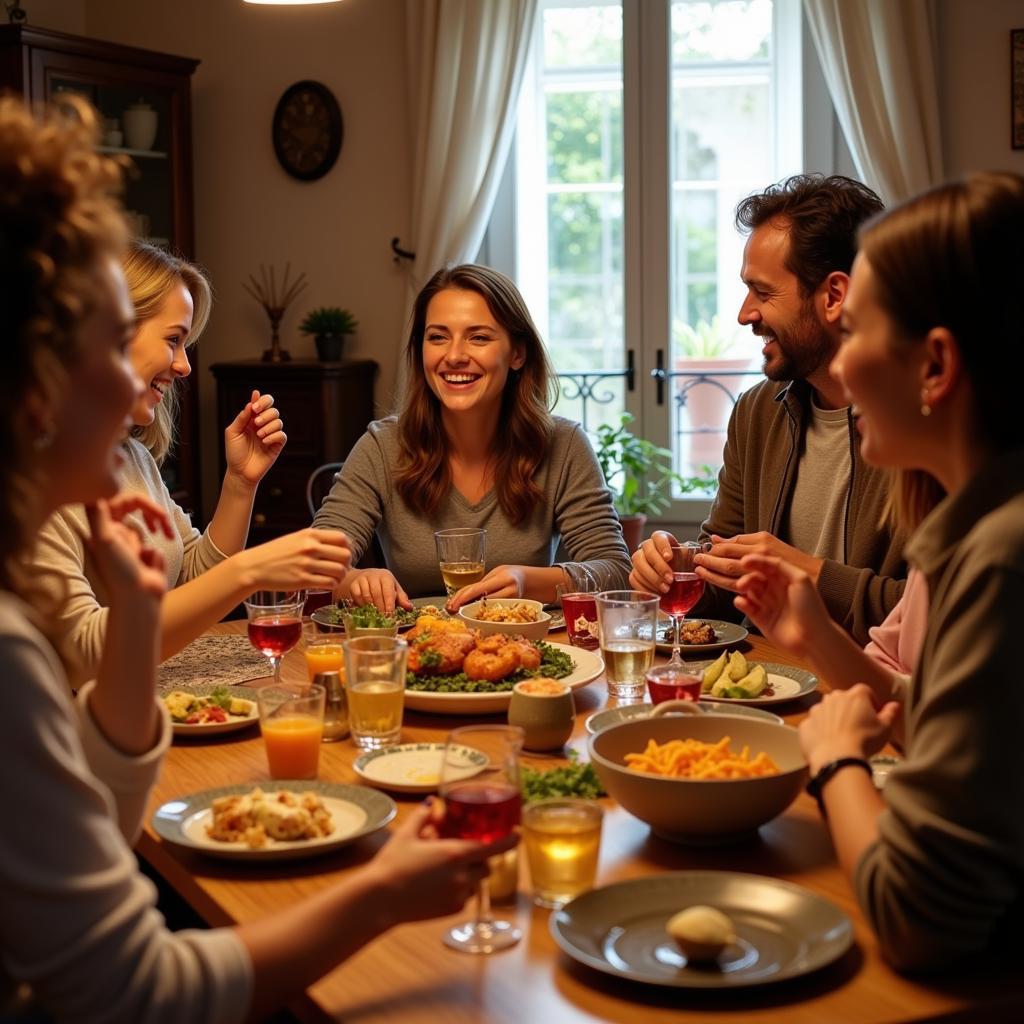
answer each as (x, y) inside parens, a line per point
(79, 923)
(61, 549)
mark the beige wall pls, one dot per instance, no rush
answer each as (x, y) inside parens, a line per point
(60, 15)
(248, 210)
(974, 84)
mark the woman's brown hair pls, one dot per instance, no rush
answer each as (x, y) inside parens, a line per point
(152, 274)
(953, 257)
(59, 218)
(424, 477)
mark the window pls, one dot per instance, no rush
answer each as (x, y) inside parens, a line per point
(642, 123)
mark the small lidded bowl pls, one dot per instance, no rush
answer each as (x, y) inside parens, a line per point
(544, 709)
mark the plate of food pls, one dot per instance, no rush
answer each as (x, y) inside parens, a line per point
(331, 618)
(733, 679)
(414, 767)
(206, 710)
(700, 636)
(277, 820)
(702, 929)
(453, 670)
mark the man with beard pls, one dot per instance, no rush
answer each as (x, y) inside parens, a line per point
(793, 484)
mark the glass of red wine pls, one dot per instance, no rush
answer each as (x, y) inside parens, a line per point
(275, 624)
(482, 805)
(684, 591)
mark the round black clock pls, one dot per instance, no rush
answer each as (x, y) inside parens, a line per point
(307, 130)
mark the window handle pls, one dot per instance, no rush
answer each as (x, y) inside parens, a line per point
(660, 375)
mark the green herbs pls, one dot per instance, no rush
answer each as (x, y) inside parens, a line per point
(366, 616)
(554, 664)
(574, 779)
(221, 698)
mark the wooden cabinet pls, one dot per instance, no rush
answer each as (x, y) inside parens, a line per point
(325, 408)
(40, 64)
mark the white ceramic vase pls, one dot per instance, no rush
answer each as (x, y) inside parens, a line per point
(139, 121)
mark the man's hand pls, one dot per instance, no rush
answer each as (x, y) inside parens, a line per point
(652, 563)
(721, 565)
(846, 724)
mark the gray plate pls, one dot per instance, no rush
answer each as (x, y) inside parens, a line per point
(214, 729)
(728, 634)
(357, 811)
(783, 931)
(627, 712)
(790, 683)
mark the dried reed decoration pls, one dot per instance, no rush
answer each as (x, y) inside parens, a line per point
(265, 292)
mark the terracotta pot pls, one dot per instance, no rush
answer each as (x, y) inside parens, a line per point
(707, 404)
(633, 530)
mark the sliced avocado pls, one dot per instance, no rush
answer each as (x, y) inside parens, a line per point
(754, 682)
(722, 687)
(737, 666)
(712, 672)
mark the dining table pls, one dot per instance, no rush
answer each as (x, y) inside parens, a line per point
(408, 975)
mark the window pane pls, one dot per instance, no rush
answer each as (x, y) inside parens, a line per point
(721, 150)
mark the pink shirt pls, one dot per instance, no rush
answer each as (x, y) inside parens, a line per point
(897, 642)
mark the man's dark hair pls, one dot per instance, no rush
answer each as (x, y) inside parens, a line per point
(822, 215)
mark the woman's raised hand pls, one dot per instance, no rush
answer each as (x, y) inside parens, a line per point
(254, 439)
(378, 587)
(128, 567)
(501, 581)
(306, 559)
(652, 563)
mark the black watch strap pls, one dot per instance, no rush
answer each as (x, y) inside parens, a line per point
(826, 772)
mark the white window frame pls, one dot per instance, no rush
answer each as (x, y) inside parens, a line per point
(808, 140)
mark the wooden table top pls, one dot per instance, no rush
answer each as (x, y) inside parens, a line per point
(409, 976)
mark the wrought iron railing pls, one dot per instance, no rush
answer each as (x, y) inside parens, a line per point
(583, 385)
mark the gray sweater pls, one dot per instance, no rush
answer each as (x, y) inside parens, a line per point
(576, 509)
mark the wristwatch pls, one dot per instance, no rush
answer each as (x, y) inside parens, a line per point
(825, 773)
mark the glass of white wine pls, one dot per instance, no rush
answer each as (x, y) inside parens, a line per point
(627, 620)
(460, 553)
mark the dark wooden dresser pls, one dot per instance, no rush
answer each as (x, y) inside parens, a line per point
(325, 408)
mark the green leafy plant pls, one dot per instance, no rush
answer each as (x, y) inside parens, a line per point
(639, 473)
(709, 339)
(329, 320)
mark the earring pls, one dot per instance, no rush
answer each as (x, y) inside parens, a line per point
(926, 409)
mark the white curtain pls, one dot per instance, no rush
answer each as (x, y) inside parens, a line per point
(466, 62)
(879, 60)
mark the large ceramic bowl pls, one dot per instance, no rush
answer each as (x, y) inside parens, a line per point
(536, 630)
(698, 810)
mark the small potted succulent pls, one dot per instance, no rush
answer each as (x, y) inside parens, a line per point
(329, 325)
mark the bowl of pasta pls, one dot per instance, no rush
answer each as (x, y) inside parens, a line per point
(700, 778)
(514, 616)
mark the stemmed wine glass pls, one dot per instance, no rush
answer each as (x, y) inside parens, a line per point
(684, 591)
(484, 807)
(275, 623)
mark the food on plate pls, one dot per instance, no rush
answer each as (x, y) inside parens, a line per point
(733, 676)
(438, 649)
(366, 616)
(219, 706)
(695, 759)
(520, 612)
(696, 632)
(257, 817)
(577, 778)
(701, 932)
(496, 656)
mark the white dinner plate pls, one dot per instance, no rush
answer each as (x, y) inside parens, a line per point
(414, 767)
(233, 724)
(587, 666)
(355, 810)
(787, 682)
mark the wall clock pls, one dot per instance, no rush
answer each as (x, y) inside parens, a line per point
(307, 130)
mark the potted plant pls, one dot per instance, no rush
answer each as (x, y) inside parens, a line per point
(329, 325)
(640, 476)
(704, 351)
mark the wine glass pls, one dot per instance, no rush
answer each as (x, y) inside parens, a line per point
(275, 624)
(484, 807)
(684, 591)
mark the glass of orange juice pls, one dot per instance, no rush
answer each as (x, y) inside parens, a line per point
(325, 654)
(292, 723)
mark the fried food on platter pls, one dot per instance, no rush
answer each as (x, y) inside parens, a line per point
(439, 653)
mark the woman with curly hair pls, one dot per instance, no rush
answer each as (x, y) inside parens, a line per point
(208, 573)
(475, 445)
(80, 937)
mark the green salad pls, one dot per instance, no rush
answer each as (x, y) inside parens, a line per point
(574, 779)
(554, 664)
(366, 616)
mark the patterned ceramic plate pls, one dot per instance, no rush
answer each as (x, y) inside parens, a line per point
(727, 634)
(786, 682)
(242, 693)
(413, 767)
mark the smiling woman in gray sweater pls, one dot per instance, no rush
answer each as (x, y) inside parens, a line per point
(475, 446)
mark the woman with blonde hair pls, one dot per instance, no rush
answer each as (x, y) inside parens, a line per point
(475, 445)
(80, 937)
(932, 359)
(209, 572)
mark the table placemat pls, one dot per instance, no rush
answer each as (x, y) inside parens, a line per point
(222, 660)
